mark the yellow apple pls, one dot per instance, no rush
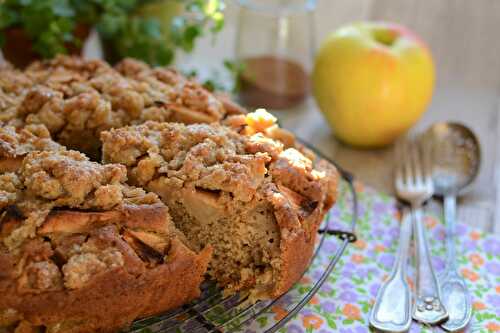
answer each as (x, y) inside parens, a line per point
(372, 81)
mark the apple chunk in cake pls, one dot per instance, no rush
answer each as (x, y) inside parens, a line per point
(81, 251)
(256, 203)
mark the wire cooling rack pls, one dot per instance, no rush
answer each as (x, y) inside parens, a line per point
(214, 312)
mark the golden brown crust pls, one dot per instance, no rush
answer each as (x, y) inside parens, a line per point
(95, 269)
(77, 99)
(83, 250)
(114, 285)
(217, 171)
(303, 199)
(114, 298)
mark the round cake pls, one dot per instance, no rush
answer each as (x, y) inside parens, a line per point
(122, 189)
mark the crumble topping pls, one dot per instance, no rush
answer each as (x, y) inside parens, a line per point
(234, 187)
(260, 122)
(48, 247)
(66, 222)
(82, 267)
(242, 182)
(18, 142)
(212, 156)
(15, 143)
(40, 276)
(69, 179)
(76, 99)
(9, 184)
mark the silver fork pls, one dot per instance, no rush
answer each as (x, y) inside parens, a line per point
(392, 309)
(414, 185)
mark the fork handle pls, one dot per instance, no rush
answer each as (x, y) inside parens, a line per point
(392, 309)
(428, 307)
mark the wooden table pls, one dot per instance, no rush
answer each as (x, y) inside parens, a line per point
(463, 36)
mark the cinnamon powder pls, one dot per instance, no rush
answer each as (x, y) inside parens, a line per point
(273, 82)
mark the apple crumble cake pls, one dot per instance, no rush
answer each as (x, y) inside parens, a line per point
(189, 186)
(81, 251)
(257, 203)
(76, 99)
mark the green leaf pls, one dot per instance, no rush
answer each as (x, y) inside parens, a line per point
(62, 8)
(489, 315)
(165, 56)
(152, 28)
(210, 85)
(331, 322)
(207, 14)
(218, 22)
(262, 321)
(189, 36)
(8, 17)
(112, 23)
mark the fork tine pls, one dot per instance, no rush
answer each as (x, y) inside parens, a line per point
(427, 157)
(417, 165)
(407, 162)
(398, 163)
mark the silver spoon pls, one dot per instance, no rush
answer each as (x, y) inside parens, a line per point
(456, 159)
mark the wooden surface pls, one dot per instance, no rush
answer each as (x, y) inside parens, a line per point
(463, 36)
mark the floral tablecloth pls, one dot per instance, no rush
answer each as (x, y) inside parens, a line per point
(344, 301)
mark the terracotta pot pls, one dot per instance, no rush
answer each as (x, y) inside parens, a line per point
(18, 49)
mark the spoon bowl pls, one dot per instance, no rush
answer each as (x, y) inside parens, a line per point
(456, 156)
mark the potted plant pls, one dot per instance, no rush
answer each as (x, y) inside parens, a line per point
(147, 30)
(31, 29)
(155, 30)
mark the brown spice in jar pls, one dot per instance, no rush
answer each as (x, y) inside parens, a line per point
(273, 82)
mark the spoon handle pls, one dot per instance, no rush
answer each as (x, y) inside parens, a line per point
(392, 309)
(450, 209)
(428, 309)
(455, 294)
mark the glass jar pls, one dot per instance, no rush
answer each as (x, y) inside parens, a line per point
(275, 49)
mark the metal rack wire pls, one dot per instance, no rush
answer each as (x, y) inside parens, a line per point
(213, 312)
